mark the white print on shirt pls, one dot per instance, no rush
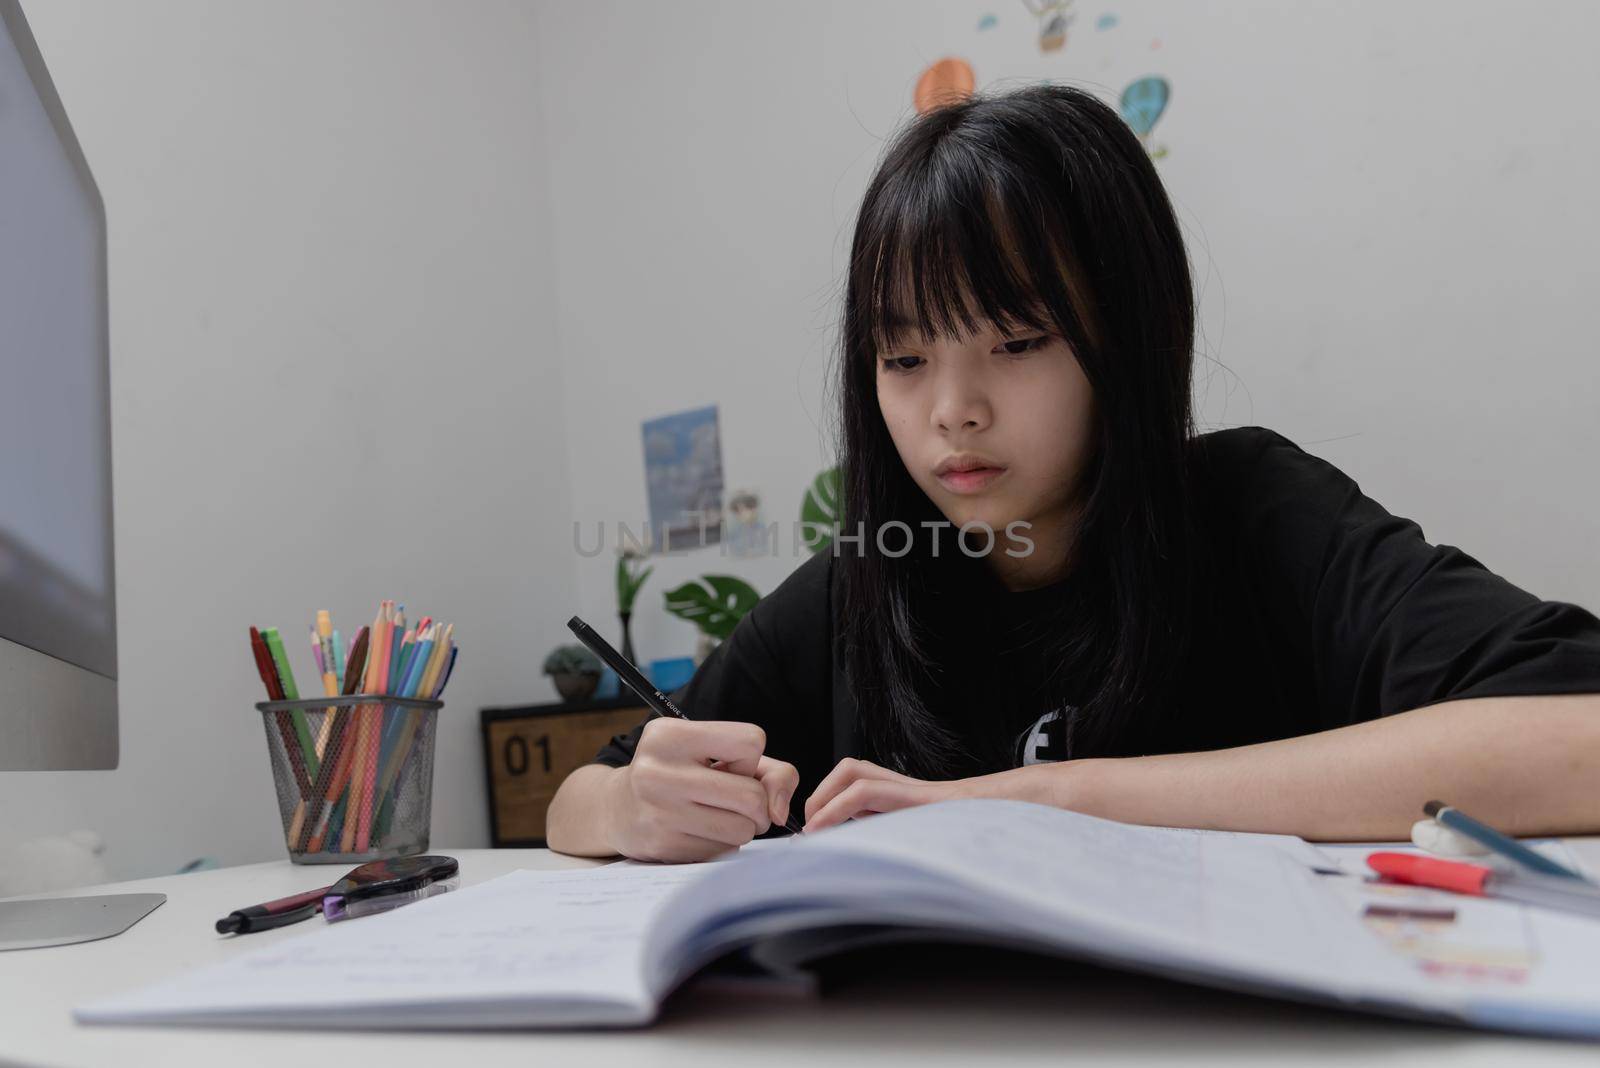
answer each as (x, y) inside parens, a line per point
(1036, 746)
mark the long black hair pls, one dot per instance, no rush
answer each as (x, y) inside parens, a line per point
(1035, 207)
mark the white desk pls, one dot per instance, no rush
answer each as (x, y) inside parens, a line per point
(994, 1009)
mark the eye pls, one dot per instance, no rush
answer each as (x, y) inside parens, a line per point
(1022, 346)
(900, 364)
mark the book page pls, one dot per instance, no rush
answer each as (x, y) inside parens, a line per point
(492, 953)
(1236, 900)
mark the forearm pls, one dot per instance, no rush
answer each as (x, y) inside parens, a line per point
(575, 820)
(1529, 765)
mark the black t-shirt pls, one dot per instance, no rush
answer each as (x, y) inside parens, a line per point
(1328, 610)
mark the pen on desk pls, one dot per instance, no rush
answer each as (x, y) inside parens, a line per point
(630, 677)
(1506, 846)
(279, 913)
(1547, 891)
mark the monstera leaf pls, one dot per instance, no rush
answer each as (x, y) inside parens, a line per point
(819, 511)
(714, 603)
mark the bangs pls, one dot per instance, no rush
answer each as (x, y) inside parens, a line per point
(957, 255)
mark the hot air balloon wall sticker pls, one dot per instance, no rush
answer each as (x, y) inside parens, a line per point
(1054, 17)
(1143, 102)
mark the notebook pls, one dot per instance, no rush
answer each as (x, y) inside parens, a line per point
(602, 947)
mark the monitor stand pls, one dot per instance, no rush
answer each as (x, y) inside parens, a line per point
(61, 921)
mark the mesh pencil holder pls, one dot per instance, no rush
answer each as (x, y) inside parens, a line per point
(354, 779)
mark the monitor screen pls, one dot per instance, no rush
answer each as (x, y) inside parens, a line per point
(56, 577)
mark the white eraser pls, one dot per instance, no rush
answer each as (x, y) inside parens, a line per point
(1436, 838)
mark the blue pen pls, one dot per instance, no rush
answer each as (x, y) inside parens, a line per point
(1506, 846)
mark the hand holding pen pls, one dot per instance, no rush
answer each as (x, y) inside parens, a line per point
(695, 788)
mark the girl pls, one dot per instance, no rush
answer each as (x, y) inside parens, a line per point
(1047, 587)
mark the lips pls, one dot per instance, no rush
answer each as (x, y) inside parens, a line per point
(965, 461)
(967, 472)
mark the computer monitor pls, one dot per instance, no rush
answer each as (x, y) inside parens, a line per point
(58, 634)
(58, 620)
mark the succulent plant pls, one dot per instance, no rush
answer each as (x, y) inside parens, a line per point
(571, 660)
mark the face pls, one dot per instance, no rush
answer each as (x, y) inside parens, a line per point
(994, 426)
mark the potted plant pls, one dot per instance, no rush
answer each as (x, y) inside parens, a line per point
(715, 604)
(630, 576)
(575, 671)
(819, 511)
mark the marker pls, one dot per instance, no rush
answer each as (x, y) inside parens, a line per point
(1555, 892)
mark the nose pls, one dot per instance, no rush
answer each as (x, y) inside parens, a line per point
(960, 402)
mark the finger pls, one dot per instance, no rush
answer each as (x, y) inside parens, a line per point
(863, 797)
(738, 794)
(677, 847)
(716, 825)
(780, 779)
(666, 785)
(848, 771)
(737, 745)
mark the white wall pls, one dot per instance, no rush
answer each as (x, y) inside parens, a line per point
(532, 218)
(332, 380)
(1389, 210)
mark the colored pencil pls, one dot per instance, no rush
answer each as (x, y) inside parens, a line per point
(375, 668)
(358, 830)
(431, 684)
(328, 665)
(448, 671)
(269, 678)
(394, 716)
(336, 762)
(280, 660)
(1502, 844)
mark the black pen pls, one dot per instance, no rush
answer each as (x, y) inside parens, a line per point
(279, 913)
(630, 677)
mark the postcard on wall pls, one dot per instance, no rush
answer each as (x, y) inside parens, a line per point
(683, 477)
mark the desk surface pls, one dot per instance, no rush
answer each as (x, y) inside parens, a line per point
(1002, 1007)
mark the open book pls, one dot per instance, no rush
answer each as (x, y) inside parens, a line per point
(604, 946)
